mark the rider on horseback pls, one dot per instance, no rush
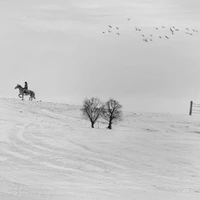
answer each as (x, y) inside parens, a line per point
(25, 87)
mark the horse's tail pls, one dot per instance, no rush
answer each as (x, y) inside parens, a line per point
(34, 95)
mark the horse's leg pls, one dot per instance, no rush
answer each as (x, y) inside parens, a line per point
(22, 97)
(19, 95)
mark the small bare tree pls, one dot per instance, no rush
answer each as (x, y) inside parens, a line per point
(111, 112)
(92, 109)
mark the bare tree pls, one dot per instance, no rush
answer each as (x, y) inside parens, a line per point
(92, 109)
(111, 112)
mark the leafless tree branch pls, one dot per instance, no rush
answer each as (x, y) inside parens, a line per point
(111, 112)
(92, 109)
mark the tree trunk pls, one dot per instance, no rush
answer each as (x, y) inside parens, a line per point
(110, 125)
(92, 124)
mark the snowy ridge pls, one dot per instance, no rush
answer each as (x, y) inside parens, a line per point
(47, 151)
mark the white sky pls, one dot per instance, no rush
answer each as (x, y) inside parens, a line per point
(59, 49)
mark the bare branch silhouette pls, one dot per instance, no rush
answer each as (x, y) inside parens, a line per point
(92, 109)
(111, 112)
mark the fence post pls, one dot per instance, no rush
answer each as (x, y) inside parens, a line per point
(191, 104)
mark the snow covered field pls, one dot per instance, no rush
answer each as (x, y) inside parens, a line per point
(47, 151)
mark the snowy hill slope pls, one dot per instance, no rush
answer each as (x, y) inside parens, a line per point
(48, 152)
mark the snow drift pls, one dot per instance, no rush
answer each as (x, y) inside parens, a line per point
(47, 151)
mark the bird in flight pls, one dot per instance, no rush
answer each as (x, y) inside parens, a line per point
(110, 26)
(128, 19)
(167, 37)
(118, 34)
(172, 31)
(117, 28)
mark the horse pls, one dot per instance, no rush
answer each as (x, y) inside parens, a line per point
(28, 92)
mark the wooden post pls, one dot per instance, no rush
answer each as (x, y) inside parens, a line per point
(191, 104)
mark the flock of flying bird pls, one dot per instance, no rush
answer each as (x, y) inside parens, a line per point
(171, 31)
(109, 30)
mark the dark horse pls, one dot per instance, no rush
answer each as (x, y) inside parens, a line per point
(28, 92)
